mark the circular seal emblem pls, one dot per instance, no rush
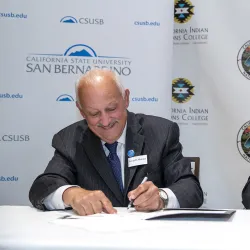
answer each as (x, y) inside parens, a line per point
(182, 90)
(243, 141)
(183, 11)
(243, 60)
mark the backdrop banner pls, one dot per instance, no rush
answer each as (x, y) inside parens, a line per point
(46, 45)
(210, 91)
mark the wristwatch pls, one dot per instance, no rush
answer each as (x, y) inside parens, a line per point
(164, 196)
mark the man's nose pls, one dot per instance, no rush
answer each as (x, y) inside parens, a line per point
(105, 119)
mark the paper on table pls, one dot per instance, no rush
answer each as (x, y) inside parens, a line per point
(132, 220)
(133, 214)
(122, 221)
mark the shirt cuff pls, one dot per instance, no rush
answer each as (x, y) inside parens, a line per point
(54, 200)
(172, 200)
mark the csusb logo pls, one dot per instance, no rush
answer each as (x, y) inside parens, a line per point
(183, 11)
(16, 138)
(182, 90)
(82, 20)
(65, 98)
(77, 59)
(243, 60)
(243, 141)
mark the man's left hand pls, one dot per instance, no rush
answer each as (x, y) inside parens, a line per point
(146, 197)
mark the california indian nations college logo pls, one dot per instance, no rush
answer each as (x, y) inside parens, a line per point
(243, 60)
(185, 113)
(182, 90)
(243, 141)
(186, 30)
(183, 11)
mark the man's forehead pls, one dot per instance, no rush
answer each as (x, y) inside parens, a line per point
(102, 88)
(106, 105)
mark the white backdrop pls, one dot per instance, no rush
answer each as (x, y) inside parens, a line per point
(219, 93)
(46, 45)
(210, 80)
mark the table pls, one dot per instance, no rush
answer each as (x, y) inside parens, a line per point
(24, 227)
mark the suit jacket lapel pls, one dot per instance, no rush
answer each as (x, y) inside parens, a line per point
(135, 141)
(93, 147)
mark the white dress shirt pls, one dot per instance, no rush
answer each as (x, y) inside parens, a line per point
(55, 201)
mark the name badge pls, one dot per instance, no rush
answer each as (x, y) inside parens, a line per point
(137, 160)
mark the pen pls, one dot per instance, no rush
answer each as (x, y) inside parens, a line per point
(131, 202)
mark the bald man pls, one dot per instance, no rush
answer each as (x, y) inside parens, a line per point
(99, 163)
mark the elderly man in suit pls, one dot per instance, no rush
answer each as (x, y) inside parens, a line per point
(100, 162)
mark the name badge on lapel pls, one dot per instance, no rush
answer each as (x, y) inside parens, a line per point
(137, 160)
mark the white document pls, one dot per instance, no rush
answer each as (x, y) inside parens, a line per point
(131, 220)
(106, 223)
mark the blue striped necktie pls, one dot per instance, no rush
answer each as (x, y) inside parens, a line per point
(115, 163)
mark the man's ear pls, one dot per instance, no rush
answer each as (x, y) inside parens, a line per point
(80, 109)
(126, 98)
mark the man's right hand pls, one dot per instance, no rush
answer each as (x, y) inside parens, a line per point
(86, 202)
